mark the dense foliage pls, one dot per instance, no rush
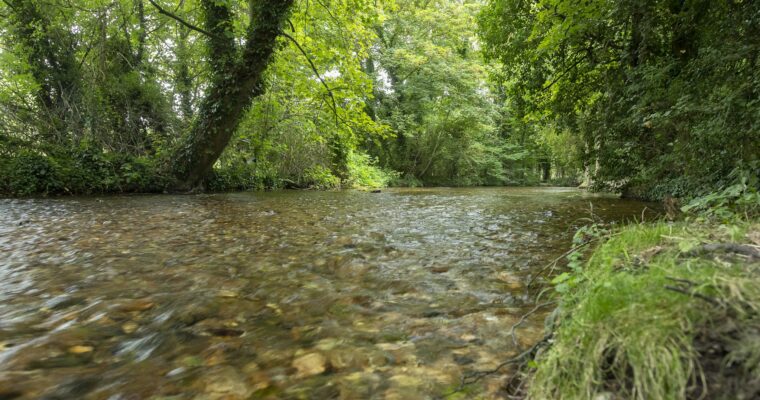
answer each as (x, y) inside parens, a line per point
(661, 96)
(653, 98)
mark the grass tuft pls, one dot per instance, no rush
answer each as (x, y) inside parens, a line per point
(655, 316)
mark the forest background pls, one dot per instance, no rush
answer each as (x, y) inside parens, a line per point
(648, 98)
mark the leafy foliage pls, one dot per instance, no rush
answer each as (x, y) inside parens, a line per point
(653, 99)
(661, 95)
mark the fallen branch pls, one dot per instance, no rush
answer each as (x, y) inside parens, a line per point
(476, 376)
(743, 249)
(555, 261)
(681, 280)
(692, 293)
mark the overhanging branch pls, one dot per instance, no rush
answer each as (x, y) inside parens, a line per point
(173, 16)
(334, 105)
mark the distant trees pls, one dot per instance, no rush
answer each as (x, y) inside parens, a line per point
(112, 95)
(434, 90)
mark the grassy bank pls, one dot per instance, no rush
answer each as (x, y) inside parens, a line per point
(658, 311)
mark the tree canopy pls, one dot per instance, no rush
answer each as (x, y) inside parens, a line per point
(651, 98)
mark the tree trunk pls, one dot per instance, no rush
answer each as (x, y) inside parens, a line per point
(236, 81)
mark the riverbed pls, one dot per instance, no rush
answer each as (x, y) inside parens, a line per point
(281, 295)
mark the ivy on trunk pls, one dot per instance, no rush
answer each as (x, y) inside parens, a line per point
(237, 71)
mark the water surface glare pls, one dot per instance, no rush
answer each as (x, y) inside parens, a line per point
(283, 295)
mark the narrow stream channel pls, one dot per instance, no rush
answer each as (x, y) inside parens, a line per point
(284, 295)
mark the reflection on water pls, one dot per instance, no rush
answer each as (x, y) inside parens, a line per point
(284, 295)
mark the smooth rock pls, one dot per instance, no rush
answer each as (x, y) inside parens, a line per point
(129, 327)
(80, 349)
(227, 294)
(225, 383)
(310, 364)
(359, 385)
(402, 353)
(513, 282)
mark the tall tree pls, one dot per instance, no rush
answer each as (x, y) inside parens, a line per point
(237, 70)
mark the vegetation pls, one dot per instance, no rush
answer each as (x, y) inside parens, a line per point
(660, 97)
(141, 95)
(652, 99)
(660, 311)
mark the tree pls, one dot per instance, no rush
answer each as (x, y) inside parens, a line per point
(236, 78)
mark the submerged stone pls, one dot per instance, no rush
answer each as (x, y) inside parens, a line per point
(310, 364)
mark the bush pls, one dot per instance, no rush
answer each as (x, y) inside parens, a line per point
(30, 173)
(242, 176)
(82, 170)
(363, 172)
(319, 177)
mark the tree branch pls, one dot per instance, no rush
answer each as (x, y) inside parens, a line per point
(334, 105)
(173, 16)
(565, 72)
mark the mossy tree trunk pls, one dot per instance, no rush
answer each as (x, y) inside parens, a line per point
(237, 79)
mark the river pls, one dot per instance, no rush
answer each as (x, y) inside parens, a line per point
(281, 295)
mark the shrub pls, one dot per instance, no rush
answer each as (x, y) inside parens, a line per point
(363, 172)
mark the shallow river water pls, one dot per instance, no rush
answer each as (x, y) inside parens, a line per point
(284, 295)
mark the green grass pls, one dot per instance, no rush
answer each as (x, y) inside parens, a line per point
(624, 334)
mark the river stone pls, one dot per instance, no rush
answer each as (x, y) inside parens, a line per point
(310, 364)
(345, 241)
(513, 282)
(359, 385)
(405, 387)
(79, 349)
(64, 301)
(225, 383)
(129, 327)
(257, 379)
(353, 358)
(327, 344)
(227, 294)
(402, 353)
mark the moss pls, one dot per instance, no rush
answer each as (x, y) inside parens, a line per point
(655, 317)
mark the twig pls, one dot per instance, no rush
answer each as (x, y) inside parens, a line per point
(474, 377)
(693, 294)
(554, 262)
(681, 280)
(512, 331)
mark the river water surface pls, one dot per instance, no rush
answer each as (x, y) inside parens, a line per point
(284, 295)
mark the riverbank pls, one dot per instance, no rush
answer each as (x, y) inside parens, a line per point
(659, 311)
